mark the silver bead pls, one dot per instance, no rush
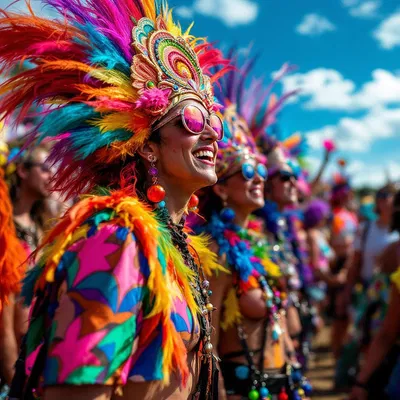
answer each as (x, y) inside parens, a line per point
(208, 348)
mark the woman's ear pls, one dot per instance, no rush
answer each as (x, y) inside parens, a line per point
(148, 150)
(22, 172)
(220, 191)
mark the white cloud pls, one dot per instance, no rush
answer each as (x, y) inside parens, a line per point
(357, 135)
(327, 89)
(362, 8)
(350, 3)
(184, 12)
(230, 12)
(388, 32)
(367, 9)
(372, 174)
(314, 25)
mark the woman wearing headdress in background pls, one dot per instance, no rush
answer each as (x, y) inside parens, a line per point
(117, 292)
(251, 300)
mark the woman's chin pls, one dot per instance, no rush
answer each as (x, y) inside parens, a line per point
(208, 178)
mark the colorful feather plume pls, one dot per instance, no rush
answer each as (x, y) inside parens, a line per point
(104, 71)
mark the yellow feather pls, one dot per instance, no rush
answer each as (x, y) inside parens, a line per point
(231, 315)
(149, 9)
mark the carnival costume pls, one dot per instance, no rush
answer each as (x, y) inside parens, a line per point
(118, 282)
(246, 254)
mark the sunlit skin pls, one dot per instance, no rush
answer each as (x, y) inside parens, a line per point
(181, 174)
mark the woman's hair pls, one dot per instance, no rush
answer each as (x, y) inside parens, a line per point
(340, 193)
(316, 211)
(209, 203)
(395, 225)
(130, 171)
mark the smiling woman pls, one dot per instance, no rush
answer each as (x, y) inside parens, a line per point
(120, 281)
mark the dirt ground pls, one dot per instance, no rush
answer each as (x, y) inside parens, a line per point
(321, 371)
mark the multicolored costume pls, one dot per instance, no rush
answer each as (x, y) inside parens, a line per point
(111, 283)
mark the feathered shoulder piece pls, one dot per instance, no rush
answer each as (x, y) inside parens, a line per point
(164, 261)
(105, 71)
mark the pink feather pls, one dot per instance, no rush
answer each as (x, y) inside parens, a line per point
(154, 101)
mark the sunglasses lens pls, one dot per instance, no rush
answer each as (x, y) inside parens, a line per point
(248, 171)
(193, 119)
(286, 176)
(217, 125)
(262, 171)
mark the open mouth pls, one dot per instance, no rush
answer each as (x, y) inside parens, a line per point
(205, 156)
(257, 192)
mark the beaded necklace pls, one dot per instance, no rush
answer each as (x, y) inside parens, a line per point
(207, 385)
(247, 257)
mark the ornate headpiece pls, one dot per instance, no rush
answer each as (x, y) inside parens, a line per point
(105, 71)
(238, 144)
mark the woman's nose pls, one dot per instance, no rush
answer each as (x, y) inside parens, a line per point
(209, 133)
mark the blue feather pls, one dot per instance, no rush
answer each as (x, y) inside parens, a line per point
(87, 140)
(65, 119)
(103, 51)
(28, 287)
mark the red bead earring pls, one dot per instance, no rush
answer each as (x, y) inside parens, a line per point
(155, 193)
(193, 203)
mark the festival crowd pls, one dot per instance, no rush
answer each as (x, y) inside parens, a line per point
(160, 238)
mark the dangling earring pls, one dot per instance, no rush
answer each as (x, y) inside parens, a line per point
(193, 203)
(155, 193)
(227, 214)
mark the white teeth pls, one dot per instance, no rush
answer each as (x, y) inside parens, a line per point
(202, 153)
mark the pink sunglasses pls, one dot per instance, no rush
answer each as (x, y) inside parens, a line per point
(194, 121)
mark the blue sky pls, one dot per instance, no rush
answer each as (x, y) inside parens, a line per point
(348, 58)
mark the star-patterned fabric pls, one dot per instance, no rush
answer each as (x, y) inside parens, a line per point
(94, 328)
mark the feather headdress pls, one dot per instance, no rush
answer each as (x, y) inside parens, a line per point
(238, 144)
(105, 72)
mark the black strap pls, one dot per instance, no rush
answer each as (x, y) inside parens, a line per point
(248, 353)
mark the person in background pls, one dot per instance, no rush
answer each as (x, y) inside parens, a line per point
(372, 238)
(12, 258)
(343, 232)
(320, 254)
(28, 175)
(379, 367)
(29, 190)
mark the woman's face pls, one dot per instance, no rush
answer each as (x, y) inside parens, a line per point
(184, 158)
(283, 187)
(242, 194)
(35, 176)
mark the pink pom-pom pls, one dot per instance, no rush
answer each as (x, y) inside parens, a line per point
(329, 145)
(216, 107)
(154, 101)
